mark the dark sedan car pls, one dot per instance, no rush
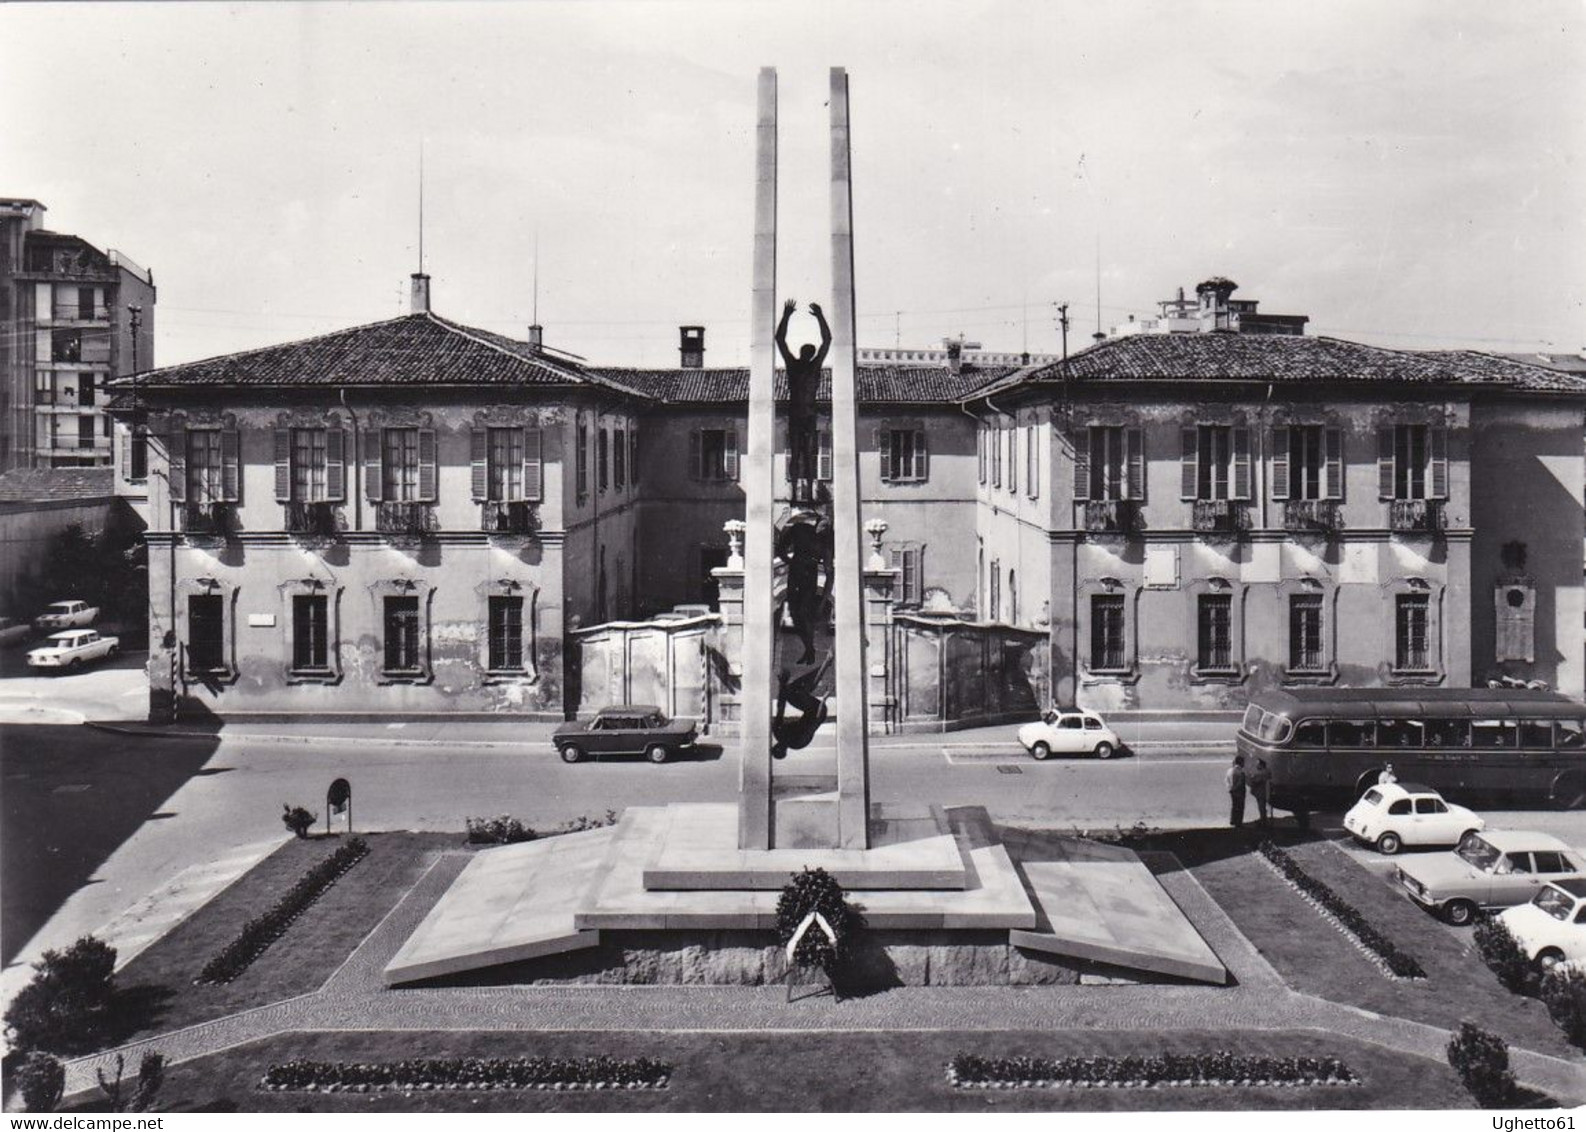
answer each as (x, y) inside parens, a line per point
(629, 729)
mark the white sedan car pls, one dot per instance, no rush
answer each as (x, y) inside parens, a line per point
(1552, 927)
(73, 649)
(1069, 732)
(1392, 815)
(65, 615)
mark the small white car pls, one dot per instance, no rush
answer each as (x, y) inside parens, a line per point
(73, 649)
(65, 615)
(1552, 927)
(1392, 815)
(1070, 731)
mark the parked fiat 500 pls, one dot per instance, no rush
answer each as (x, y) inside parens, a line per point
(73, 649)
(1069, 732)
(1395, 814)
(1552, 926)
(630, 729)
(1498, 868)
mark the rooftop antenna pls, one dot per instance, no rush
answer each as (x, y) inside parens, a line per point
(1098, 336)
(897, 330)
(1062, 322)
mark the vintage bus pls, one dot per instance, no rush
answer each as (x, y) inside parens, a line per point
(1326, 746)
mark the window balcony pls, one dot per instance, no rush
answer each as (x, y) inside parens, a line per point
(1319, 515)
(1221, 517)
(503, 517)
(210, 520)
(1416, 515)
(1112, 516)
(405, 518)
(314, 520)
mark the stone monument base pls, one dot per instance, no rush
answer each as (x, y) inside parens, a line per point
(648, 900)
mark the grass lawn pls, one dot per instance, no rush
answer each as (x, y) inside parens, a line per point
(1314, 957)
(839, 1072)
(161, 979)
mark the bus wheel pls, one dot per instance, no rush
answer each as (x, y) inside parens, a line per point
(1366, 782)
(1389, 843)
(1459, 912)
(1569, 791)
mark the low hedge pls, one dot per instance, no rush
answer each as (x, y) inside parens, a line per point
(971, 1071)
(261, 931)
(1348, 916)
(469, 1073)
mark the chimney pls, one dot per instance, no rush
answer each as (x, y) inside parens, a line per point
(691, 347)
(955, 353)
(420, 303)
(536, 338)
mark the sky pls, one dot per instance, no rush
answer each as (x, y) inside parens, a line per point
(1411, 174)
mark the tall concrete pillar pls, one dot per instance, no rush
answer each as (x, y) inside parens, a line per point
(853, 739)
(756, 694)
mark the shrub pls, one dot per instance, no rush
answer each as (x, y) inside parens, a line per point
(470, 1073)
(1403, 965)
(261, 931)
(151, 1077)
(1564, 992)
(814, 890)
(297, 819)
(66, 1005)
(504, 830)
(41, 1081)
(1504, 955)
(1482, 1061)
(968, 1070)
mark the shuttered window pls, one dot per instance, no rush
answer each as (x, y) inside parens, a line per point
(1412, 462)
(907, 559)
(602, 458)
(399, 481)
(1113, 463)
(903, 454)
(619, 458)
(310, 465)
(581, 461)
(1215, 463)
(1307, 462)
(823, 455)
(205, 466)
(713, 454)
(1032, 461)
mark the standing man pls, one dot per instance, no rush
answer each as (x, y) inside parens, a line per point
(1260, 779)
(803, 381)
(1235, 781)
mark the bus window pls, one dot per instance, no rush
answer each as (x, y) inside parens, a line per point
(1570, 732)
(1399, 732)
(1536, 733)
(1312, 733)
(1252, 722)
(1352, 733)
(1274, 729)
(1492, 733)
(1447, 733)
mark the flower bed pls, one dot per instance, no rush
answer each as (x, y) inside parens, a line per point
(468, 1073)
(261, 931)
(971, 1071)
(1377, 947)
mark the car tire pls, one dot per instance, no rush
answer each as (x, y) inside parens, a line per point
(1040, 752)
(657, 754)
(75, 663)
(1548, 958)
(1569, 791)
(1459, 912)
(115, 651)
(1389, 843)
(1104, 750)
(572, 753)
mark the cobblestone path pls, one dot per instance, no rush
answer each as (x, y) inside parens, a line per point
(354, 998)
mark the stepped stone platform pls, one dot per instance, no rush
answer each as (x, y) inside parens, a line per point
(1099, 902)
(668, 868)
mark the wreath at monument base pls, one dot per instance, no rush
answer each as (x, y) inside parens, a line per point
(814, 909)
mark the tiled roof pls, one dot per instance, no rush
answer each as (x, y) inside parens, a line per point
(1570, 363)
(417, 349)
(1286, 358)
(56, 485)
(878, 384)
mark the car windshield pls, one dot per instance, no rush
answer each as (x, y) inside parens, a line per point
(1477, 852)
(1555, 902)
(61, 606)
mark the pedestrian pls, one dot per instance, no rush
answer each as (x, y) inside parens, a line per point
(1260, 780)
(1387, 776)
(1235, 781)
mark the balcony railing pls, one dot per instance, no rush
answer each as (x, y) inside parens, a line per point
(318, 520)
(405, 518)
(1112, 516)
(211, 519)
(1221, 516)
(1312, 515)
(509, 518)
(1424, 515)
